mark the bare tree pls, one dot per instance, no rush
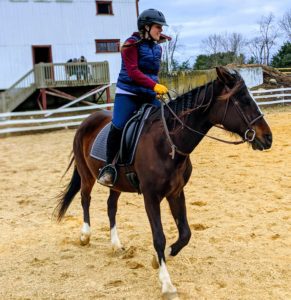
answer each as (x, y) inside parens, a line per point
(268, 35)
(224, 42)
(237, 43)
(256, 49)
(285, 24)
(212, 44)
(169, 49)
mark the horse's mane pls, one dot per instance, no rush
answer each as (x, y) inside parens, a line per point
(202, 97)
(193, 99)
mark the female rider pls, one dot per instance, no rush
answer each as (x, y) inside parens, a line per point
(137, 81)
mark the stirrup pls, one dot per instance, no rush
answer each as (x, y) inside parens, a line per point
(107, 175)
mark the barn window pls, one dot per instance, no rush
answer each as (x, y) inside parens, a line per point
(104, 7)
(107, 46)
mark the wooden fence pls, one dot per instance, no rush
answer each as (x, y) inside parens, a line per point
(286, 71)
(274, 96)
(31, 121)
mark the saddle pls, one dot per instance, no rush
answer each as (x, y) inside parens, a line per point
(129, 141)
(131, 134)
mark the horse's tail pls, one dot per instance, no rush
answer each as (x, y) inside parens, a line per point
(66, 197)
(70, 164)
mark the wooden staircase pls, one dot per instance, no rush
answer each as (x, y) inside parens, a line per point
(18, 92)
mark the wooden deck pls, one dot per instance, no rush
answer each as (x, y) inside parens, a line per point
(59, 75)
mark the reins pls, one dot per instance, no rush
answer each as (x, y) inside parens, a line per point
(175, 149)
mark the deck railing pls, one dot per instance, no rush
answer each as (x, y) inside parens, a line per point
(49, 75)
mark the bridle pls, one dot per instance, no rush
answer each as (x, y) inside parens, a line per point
(249, 134)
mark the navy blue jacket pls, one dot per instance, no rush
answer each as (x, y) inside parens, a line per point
(149, 60)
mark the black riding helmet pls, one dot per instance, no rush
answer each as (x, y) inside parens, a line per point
(149, 17)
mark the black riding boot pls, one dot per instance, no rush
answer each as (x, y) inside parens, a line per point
(113, 143)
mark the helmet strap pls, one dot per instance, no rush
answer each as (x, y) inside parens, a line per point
(147, 32)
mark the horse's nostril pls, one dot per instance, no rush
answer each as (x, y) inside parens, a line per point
(268, 139)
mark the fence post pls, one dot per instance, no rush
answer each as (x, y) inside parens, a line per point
(283, 97)
(2, 102)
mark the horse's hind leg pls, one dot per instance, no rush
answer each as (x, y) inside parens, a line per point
(86, 188)
(111, 210)
(178, 209)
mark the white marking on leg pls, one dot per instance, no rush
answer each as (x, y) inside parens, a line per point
(168, 256)
(115, 242)
(85, 234)
(168, 253)
(167, 286)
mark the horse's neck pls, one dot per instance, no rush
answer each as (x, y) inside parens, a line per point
(193, 109)
(189, 140)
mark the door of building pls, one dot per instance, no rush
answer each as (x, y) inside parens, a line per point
(43, 54)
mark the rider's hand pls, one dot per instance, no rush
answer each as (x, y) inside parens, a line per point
(160, 89)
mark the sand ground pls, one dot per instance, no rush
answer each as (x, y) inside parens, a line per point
(238, 204)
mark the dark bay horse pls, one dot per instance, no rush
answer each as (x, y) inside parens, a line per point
(162, 161)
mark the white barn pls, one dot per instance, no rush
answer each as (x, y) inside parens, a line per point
(34, 31)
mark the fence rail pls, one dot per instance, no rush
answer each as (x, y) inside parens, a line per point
(35, 121)
(287, 71)
(29, 121)
(273, 96)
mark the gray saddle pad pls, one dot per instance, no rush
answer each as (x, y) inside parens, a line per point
(98, 149)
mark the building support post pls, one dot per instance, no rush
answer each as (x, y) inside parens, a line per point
(108, 95)
(43, 99)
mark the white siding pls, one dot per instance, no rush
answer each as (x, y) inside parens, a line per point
(69, 27)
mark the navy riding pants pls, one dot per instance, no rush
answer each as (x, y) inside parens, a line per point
(125, 106)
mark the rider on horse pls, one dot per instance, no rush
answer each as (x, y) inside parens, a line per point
(137, 82)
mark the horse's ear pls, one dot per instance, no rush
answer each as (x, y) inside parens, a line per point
(225, 76)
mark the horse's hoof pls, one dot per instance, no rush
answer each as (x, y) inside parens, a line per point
(117, 248)
(155, 263)
(84, 239)
(171, 296)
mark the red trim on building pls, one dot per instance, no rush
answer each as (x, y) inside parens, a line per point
(45, 56)
(107, 5)
(108, 45)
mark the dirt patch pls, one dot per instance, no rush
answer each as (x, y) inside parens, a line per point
(238, 204)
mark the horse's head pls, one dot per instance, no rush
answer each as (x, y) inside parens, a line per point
(238, 112)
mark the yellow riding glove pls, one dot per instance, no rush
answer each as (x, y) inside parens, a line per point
(160, 89)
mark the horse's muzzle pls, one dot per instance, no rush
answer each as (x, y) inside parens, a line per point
(263, 143)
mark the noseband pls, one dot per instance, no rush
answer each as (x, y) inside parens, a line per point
(250, 133)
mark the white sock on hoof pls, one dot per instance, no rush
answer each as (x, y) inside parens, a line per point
(167, 286)
(85, 234)
(115, 242)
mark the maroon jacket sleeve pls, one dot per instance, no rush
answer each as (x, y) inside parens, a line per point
(130, 58)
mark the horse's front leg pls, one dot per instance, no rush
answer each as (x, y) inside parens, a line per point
(152, 205)
(178, 209)
(111, 210)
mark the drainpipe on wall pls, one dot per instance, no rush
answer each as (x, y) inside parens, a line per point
(137, 9)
